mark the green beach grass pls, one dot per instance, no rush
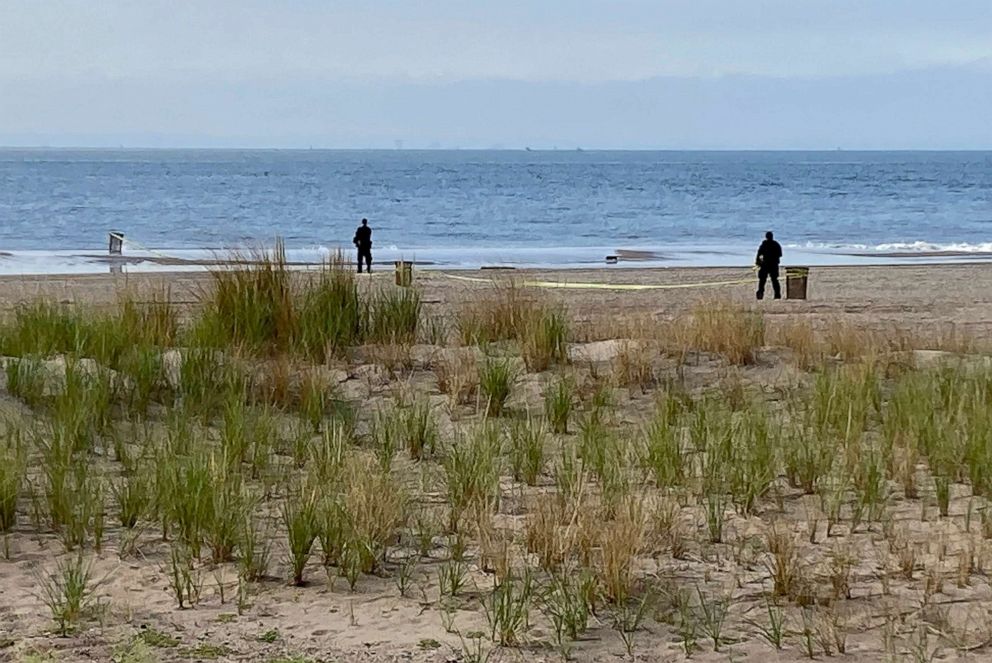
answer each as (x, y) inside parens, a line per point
(497, 478)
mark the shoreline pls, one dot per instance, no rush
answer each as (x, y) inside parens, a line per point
(94, 261)
(431, 269)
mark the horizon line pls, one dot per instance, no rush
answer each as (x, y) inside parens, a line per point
(205, 148)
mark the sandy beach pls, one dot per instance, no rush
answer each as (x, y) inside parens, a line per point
(873, 612)
(921, 298)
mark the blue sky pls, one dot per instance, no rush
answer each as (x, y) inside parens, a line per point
(623, 73)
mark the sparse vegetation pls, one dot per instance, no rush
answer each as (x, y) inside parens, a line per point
(496, 380)
(559, 401)
(67, 592)
(727, 330)
(528, 440)
(229, 445)
(544, 339)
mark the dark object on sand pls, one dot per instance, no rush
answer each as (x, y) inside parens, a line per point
(116, 243)
(404, 273)
(612, 260)
(796, 279)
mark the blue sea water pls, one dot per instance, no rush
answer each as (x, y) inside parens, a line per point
(469, 208)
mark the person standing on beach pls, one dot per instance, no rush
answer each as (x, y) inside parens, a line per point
(768, 258)
(363, 242)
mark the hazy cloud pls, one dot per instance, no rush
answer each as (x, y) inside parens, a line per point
(316, 70)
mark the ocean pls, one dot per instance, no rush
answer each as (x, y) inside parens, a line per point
(455, 209)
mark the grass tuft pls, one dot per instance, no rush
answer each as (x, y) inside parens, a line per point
(527, 443)
(496, 380)
(12, 470)
(544, 339)
(66, 592)
(559, 401)
(300, 519)
(471, 468)
(726, 329)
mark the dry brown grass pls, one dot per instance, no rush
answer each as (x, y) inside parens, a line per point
(713, 326)
(496, 545)
(726, 329)
(457, 375)
(622, 540)
(377, 505)
(291, 386)
(798, 336)
(498, 316)
(785, 564)
(951, 338)
(394, 357)
(849, 342)
(547, 533)
(509, 312)
(275, 382)
(544, 339)
(632, 325)
(633, 365)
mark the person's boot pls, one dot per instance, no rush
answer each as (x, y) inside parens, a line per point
(760, 295)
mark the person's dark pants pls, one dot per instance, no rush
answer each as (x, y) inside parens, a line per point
(365, 254)
(764, 273)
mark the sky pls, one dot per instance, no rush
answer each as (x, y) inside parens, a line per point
(711, 74)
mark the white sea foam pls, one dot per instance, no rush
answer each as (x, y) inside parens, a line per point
(919, 246)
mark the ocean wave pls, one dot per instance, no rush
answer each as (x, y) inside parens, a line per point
(930, 247)
(919, 246)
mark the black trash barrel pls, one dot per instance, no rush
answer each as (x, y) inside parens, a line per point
(796, 279)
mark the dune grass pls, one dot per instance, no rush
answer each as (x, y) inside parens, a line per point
(262, 307)
(471, 470)
(528, 439)
(544, 339)
(559, 402)
(67, 592)
(499, 316)
(45, 329)
(12, 470)
(223, 433)
(299, 514)
(726, 329)
(497, 377)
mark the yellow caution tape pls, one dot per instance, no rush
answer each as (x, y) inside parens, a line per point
(605, 286)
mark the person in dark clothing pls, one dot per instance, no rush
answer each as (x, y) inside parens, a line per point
(363, 242)
(768, 258)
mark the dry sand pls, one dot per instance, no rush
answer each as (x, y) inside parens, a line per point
(910, 296)
(324, 623)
